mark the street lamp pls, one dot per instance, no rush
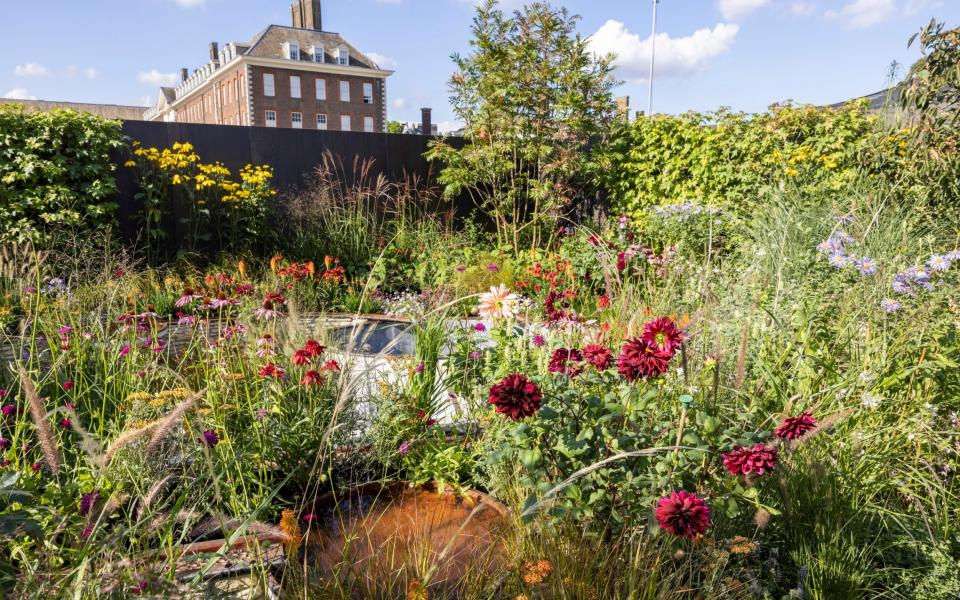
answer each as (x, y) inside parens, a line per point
(653, 47)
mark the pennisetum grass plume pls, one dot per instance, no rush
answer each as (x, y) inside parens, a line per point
(38, 414)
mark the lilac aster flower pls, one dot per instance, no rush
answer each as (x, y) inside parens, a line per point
(939, 262)
(404, 448)
(838, 260)
(475, 355)
(866, 265)
(493, 268)
(890, 305)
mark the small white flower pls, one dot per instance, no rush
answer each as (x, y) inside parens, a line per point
(866, 377)
(870, 401)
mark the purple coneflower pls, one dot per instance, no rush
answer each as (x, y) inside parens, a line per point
(266, 312)
(404, 448)
(188, 297)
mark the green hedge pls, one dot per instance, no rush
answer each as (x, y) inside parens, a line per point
(728, 159)
(55, 172)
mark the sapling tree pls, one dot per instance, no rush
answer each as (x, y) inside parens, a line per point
(532, 97)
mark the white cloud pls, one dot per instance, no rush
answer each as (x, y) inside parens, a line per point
(390, 1)
(400, 103)
(448, 126)
(73, 71)
(674, 56)
(382, 60)
(914, 7)
(190, 3)
(802, 8)
(19, 94)
(860, 14)
(156, 78)
(737, 9)
(30, 70)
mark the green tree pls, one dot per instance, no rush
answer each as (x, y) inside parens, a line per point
(532, 97)
(394, 127)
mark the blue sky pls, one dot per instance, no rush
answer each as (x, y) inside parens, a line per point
(744, 54)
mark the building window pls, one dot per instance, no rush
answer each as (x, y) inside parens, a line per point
(368, 124)
(318, 56)
(296, 120)
(321, 121)
(271, 118)
(321, 89)
(294, 86)
(268, 89)
(343, 56)
(344, 122)
(345, 91)
(293, 50)
(368, 93)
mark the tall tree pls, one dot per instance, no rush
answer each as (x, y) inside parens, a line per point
(532, 97)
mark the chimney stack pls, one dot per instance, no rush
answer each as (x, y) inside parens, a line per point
(426, 122)
(184, 74)
(307, 14)
(215, 52)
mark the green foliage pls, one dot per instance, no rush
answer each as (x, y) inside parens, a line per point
(531, 96)
(55, 172)
(731, 160)
(394, 127)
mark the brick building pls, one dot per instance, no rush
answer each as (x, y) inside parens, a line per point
(299, 76)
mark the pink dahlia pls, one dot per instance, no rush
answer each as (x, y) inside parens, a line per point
(598, 356)
(796, 427)
(640, 359)
(516, 397)
(684, 514)
(757, 459)
(565, 361)
(663, 333)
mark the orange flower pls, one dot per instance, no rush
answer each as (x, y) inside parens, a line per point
(290, 526)
(310, 268)
(417, 591)
(328, 262)
(274, 261)
(242, 267)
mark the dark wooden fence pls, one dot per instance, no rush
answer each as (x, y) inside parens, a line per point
(294, 154)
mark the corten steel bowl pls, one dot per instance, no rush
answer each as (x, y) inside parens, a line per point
(389, 532)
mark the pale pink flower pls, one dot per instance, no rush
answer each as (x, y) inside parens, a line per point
(499, 303)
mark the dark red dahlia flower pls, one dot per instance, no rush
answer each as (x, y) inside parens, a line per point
(757, 459)
(210, 438)
(598, 356)
(272, 370)
(663, 333)
(565, 361)
(684, 514)
(621, 261)
(796, 427)
(87, 502)
(641, 360)
(516, 397)
(554, 306)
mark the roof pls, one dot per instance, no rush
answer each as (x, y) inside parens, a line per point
(107, 111)
(269, 44)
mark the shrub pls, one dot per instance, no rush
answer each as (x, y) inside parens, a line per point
(55, 171)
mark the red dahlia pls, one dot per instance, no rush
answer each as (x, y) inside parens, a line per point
(663, 333)
(640, 359)
(272, 370)
(516, 397)
(684, 514)
(598, 356)
(796, 427)
(757, 459)
(565, 361)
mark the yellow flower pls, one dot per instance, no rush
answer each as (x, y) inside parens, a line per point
(290, 527)
(130, 163)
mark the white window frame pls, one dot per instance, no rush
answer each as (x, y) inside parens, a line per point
(368, 124)
(267, 120)
(343, 56)
(295, 86)
(321, 121)
(296, 120)
(318, 55)
(344, 91)
(292, 50)
(345, 124)
(269, 85)
(321, 89)
(368, 98)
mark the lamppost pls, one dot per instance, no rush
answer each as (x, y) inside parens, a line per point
(653, 48)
